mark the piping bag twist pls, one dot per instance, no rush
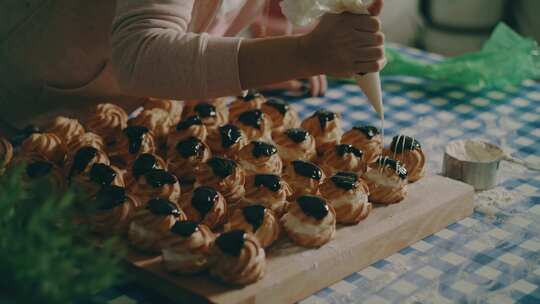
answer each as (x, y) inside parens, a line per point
(303, 12)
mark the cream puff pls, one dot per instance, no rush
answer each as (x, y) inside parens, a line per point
(325, 126)
(258, 220)
(100, 175)
(206, 206)
(151, 225)
(310, 221)
(87, 139)
(348, 195)
(255, 124)
(143, 164)
(67, 129)
(408, 151)
(304, 177)
(269, 190)
(114, 208)
(108, 121)
(227, 141)
(6, 154)
(251, 101)
(156, 120)
(343, 157)
(386, 180)
(295, 144)
(82, 161)
(367, 139)
(187, 247)
(213, 113)
(157, 183)
(186, 158)
(224, 175)
(189, 127)
(47, 172)
(260, 157)
(283, 117)
(47, 145)
(239, 258)
(134, 141)
(173, 107)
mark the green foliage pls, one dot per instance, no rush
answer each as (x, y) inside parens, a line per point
(44, 256)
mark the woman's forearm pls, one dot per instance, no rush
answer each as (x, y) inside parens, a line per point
(270, 60)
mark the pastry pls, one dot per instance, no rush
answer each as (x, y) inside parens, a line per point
(156, 120)
(310, 221)
(260, 157)
(87, 139)
(67, 129)
(186, 248)
(190, 127)
(157, 183)
(367, 139)
(281, 114)
(113, 211)
(134, 141)
(387, 181)
(47, 172)
(17, 139)
(251, 101)
(227, 141)
(213, 113)
(325, 126)
(82, 161)
(206, 206)
(144, 163)
(295, 144)
(48, 145)
(258, 220)
(239, 258)
(6, 154)
(348, 195)
(255, 125)
(304, 177)
(224, 175)
(150, 225)
(186, 158)
(343, 157)
(408, 151)
(100, 175)
(108, 121)
(268, 190)
(172, 107)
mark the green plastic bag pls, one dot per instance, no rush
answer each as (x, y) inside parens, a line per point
(506, 59)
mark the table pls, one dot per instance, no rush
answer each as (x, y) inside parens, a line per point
(492, 256)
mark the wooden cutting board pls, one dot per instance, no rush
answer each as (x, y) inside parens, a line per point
(294, 273)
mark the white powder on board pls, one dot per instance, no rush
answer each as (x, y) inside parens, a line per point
(474, 150)
(493, 201)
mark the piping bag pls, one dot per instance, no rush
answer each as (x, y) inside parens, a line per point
(304, 12)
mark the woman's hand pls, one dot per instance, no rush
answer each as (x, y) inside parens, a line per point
(345, 44)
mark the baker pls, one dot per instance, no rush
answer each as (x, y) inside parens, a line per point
(69, 54)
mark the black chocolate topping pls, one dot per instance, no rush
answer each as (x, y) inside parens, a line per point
(161, 206)
(110, 197)
(369, 131)
(250, 95)
(102, 174)
(144, 163)
(188, 122)
(261, 148)
(23, 134)
(324, 117)
(190, 147)
(345, 180)
(185, 228)
(230, 134)
(313, 206)
(403, 142)
(81, 160)
(279, 104)
(297, 135)
(254, 215)
(394, 164)
(159, 177)
(205, 110)
(231, 242)
(222, 167)
(135, 136)
(307, 169)
(252, 118)
(270, 181)
(346, 149)
(204, 199)
(38, 169)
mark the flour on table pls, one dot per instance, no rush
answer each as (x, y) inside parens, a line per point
(493, 201)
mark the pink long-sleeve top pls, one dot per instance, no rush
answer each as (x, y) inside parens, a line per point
(69, 54)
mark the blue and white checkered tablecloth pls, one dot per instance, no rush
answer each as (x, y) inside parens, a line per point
(492, 256)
